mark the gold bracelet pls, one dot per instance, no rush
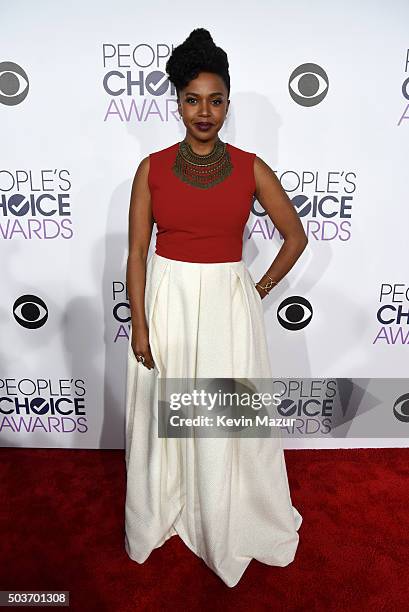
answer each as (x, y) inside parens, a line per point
(269, 284)
(261, 287)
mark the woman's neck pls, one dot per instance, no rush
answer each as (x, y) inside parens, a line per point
(199, 147)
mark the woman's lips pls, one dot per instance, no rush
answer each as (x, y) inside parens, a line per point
(203, 125)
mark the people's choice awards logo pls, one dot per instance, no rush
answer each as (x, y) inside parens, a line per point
(405, 91)
(120, 310)
(393, 314)
(324, 199)
(47, 405)
(138, 88)
(308, 84)
(35, 204)
(14, 84)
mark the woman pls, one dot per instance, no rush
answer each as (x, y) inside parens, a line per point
(197, 313)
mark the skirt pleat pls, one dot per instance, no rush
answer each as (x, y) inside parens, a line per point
(227, 498)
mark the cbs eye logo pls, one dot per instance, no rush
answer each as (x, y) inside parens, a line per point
(401, 408)
(294, 313)
(30, 311)
(14, 84)
(308, 84)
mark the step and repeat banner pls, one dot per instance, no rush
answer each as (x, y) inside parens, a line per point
(320, 92)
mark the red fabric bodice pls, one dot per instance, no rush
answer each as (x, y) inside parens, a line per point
(201, 225)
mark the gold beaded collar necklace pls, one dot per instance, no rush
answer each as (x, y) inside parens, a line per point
(202, 171)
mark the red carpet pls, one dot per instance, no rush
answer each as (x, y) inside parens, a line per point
(62, 528)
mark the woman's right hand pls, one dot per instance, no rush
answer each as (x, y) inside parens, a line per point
(140, 346)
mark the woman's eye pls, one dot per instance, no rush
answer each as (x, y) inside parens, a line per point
(219, 101)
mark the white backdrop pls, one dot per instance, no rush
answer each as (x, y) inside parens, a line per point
(319, 91)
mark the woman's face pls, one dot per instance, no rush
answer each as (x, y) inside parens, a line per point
(204, 101)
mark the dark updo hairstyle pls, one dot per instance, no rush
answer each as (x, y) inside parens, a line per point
(198, 53)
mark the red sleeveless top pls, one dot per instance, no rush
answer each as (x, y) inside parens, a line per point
(201, 225)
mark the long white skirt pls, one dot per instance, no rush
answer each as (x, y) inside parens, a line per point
(227, 498)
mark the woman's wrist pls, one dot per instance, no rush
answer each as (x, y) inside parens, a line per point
(138, 323)
(267, 285)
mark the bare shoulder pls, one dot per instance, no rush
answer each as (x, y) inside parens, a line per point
(261, 167)
(140, 180)
(274, 199)
(143, 167)
(140, 183)
(264, 175)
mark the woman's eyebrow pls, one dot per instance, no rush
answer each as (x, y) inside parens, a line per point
(192, 93)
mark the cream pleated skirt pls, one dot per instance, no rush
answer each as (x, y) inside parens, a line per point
(227, 498)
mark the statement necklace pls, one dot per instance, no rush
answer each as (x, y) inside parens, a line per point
(202, 171)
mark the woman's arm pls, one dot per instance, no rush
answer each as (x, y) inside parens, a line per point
(279, 208)
(139, 233)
